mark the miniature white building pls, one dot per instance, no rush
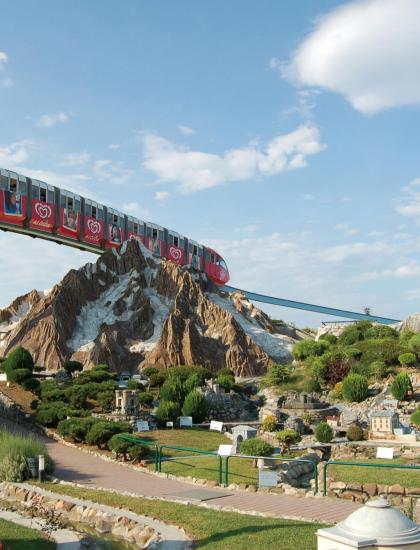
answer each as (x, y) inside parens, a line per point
(375, 526)
(127, 402)
(383, 424)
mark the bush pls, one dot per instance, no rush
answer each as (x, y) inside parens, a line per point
(319, 369)
(415, 418)
(146, 399)
(407, 359)
(225, 370)
(192, 382)
(168, 411)
(120, 447)
(76, 428)
(330, 338)
(256, 447)
(49, 414)
(378, 370)
(307, 348)
(355, 388)
(287, 438)
(20, 358)
(269, 423)
(414, 344)
(383, 349)
(277, 375)
(324, 433)
(34, 404)
(72, 366)
(149, 371)
(337, 390)
(401, 386)
(173, 390)
(352, 353)
(156, 380)
(355, 433)
(18, 375)
(354, 333)
(31, 384)
(338, 368)
(106, 400)
(195, 405)
(225, 381)
(137, 452)
(77, 396)
(381, 331)
(99, 434)
(312, 386)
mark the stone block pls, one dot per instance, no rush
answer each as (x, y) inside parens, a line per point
(337, 485)
(412, 491)
(347, 496)
(370, 489)
(396, 490)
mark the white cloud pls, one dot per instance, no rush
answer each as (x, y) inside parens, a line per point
(13, 154)
(186, 130)
(196, 170)
(161, 195)
(3, 60)
(251, 228)
(114, 146)
(75, 159)
(367, 50)
(7, 83)
(409, 204)
(49, 120)
(107, 170)
(274, 63)
(136, 209)
(308, 197)
(346, 229)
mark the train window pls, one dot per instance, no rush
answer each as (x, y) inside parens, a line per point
(181, 243)
(222, 264)
(42, 194)
(212, 259)
(154, 233)
(77, 205)
(13, 185)
(22, 185)
(176, 241)
(115, 218)
(136, 228)
(69, 203)
(4, 181)
(100, 213)
(93, 214)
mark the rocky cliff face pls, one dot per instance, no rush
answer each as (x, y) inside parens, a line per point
(131, 310)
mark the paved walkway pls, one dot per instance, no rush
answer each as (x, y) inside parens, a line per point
(86, 469)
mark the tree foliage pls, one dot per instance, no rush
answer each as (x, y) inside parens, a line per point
(256, 447)
(324, 433)
(308, 348)
(355, 388)
(287, 438)
(401, 386)
(195, 405)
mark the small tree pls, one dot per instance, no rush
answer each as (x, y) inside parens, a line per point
(72, 366)
(355, 433)
(308, 348)
(414, 344)
(256, 447)
(337, 390)
(168, 411)
(195, 405)
(415, 418)
(355, 388)
(277, 375)
(20, 358)
(99, 434)
(106, 400)
(18, 375)
(319, 369)
(312, 386)
(407, 359)
(378, 370)
(119, 446)
(401, 386)
(287, 438)
(269, 423)
(31, 384)
(146, 399)
(324, 433)
(173, 390)
(225, 381)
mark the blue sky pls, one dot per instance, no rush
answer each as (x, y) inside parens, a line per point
(284, 134)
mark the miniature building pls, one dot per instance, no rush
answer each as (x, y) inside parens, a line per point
(301, 401)
(127, 402)
(295, 423)
(383, 423)
(374, 526)
(241, 433)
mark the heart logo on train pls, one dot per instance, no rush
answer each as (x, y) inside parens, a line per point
(175, 253)
(94, 226)
(43, 210)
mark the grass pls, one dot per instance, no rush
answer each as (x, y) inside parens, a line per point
(382, 476)
(209, 528)
(195, 438)
(17, 444)
(17, 537)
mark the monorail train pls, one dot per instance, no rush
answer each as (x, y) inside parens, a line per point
(41, 210)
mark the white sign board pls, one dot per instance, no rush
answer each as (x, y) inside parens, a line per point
(3, 377)
(185, 421)
(385, 452)
(267, 478)
(170, 424)
(216, 426)
(142, 426)
(224, 450)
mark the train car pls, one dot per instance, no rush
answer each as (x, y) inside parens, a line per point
(42, 210)
(45, 211)
(93, 227)
(69, 215)
(13, 198)
(216, 267)
(135, 229)
(115, 228)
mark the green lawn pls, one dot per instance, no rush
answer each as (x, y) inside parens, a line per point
(195, 438)
(17, 537)
(385, 476)
(210, 528)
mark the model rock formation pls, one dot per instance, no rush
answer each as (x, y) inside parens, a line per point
(131, 310)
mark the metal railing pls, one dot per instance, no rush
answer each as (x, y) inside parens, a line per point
(189, 450)
(138, 441)
(364, 465)
(279, 459)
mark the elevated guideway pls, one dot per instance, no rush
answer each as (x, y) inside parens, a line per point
(311, 307)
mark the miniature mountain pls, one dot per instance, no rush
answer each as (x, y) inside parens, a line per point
(131, 310)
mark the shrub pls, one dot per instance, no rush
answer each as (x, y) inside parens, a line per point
(225, 381)
(157, 379)
(192, 382)
(355, 388)
(146, 399)
(225, 370)
(51, 391)
(383, 349)
(330, 338)
(167, 411)
(401, 386)
(149, 371)
(415, 418)
(414, 344)
(34, 404)
(277, 375)
(76, 428)
(337, 390)
(72, 366)
(13, 468)
(77, 396)
(135, 385)
(18, 375)
(319, 369)
(31, 384)
(354, 333)
(269, 423)
(106, 400)
(99, 434)
(49, 414)
(307, 348)
(324, 433)
(173, 390)
(378, 369)
(312, 386)
(381, 331)
(120, 447)
(338, 368)
(20, 358)
(183, 372)
(195, 405)
(137, 452)
(407, 359)
(355, 433)
(287, 438)
(256, 447)
(352, 353)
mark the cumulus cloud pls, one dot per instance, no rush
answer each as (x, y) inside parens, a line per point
(7, 83)
(367, 50)
(49, 120)
(3, 60)
(197, 170)
(75, 159)
(136, 209)
(13, 154)
(106, 170)
(409, 204)
(161, 195)
(186, 130)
